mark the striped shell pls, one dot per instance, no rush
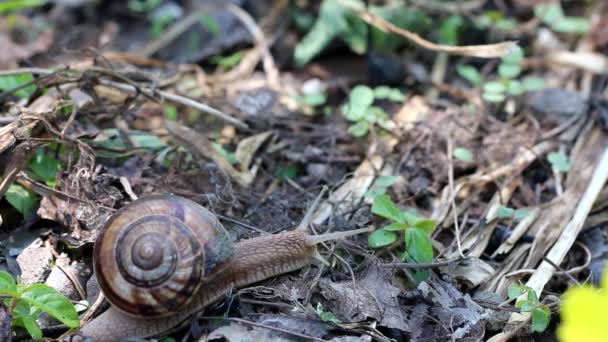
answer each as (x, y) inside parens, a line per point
(152, 255)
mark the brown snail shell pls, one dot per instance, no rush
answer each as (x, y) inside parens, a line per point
(152, 255)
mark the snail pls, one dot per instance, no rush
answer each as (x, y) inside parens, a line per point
(162, 258)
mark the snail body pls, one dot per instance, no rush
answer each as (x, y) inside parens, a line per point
(163, 258)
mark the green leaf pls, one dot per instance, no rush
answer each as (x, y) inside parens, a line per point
(359, 129)
(360, 99)
(514, 57)
(25, 316)
(384, 206)
(228, 62)
(410, 217)
(22, 199)
(532, 297)
(8, 285)
(396, 95)
(382, 92)
(170, 112)
(287, 172)
(572, 25)
(505, 212)
(515, 88)
(229, 156)
(419, 245)
(386, 181)
(463, 154)
(396, 227)
(419, 275)
(375, 191)
(533, 83)
(115, 140)
(516, 290)
(492, 97)
(469, 73)
(505, 24)
(355, 35)
(313, 100)
(525, 305)
(32, 327)
(147, 140)
(330, 23)
(549, 12)
(508, 70)
(381, 238)
(494, 87)
(450, 29)
(210, 23)
(540, 318)
(52, 302)
(11, 82)
(16, 5)
(559, 161)
(426, 225)
(326, 316)
(45, 167)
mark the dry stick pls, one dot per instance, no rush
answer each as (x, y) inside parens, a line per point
(561, 247)
(481, 51)
(177, 99)
(453, 195)
(404, 265)
(147, 91)
(272, 73)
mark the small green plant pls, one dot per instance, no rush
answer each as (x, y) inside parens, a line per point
(222, 151)
(552, 14)
(416, 233)
(336, 21)
(541, 314)
(326, 316)
(228, 62)
(496, 20)
(160, 23)
(508, 83)
(22, 199)
(381, 184)
(44, 167)
(363, 114)
(9, 83)
(26, 303)
(312, 99)
(510, 213)
(463, 154)
(18, 5)
(559, 161)
(450, 28)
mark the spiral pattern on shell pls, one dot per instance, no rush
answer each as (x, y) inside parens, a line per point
(152, 255)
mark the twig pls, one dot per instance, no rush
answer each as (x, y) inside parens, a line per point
(481, 51)
(272, 73)
(408, 266)
(177, 99)
(453, 194)
(229, 219)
